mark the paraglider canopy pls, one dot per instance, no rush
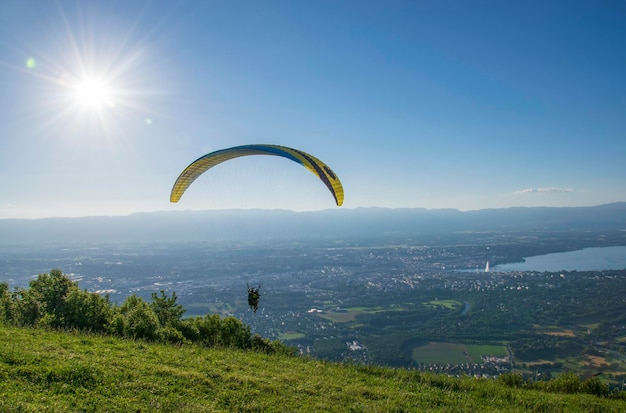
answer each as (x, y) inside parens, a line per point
(204, 163)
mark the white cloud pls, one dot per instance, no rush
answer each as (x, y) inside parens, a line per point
(547, 190)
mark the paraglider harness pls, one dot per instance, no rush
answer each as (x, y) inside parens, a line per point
(253, 297)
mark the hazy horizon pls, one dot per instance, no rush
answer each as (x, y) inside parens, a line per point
(217, 210)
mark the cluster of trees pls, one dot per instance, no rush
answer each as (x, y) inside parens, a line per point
(54, 300)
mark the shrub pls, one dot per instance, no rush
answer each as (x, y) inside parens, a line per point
(27, 309)
(166, 309)
(170, 335)
(566, 383)
(138, 320)
(51, 290)
(87, 311)
(595, 386)
(55, 300)
(6, 304)
(511, 379)
(207, 328)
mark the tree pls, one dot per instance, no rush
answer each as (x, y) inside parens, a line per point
(166, 309)
(136, 319)
(6, 304)
(566, 383)
(55, 300)
(27, 309)
(87, 311)
(50, 290)
(595, 386)
(206, 330)
(235, 333)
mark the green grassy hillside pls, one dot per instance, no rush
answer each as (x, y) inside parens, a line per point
(42, 370)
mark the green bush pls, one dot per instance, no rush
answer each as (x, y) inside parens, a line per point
(511, 379)
(166, 309)
(595, 386)
(138, 319)
(6, 304)
(27, 309)
(171, 335)
(207, 330)
(54, 300)
(87, 311)
(51, 291)
(568, 383)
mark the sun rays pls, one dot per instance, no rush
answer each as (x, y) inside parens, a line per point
(98, 79)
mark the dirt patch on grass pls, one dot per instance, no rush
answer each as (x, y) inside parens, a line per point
(596, 361)
(561, 333)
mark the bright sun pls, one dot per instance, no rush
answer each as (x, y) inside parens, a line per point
(93, 93)
(98, 77)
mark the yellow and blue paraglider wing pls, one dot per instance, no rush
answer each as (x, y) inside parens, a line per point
(201, 165)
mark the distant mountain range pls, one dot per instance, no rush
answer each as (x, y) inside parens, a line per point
(336, 223)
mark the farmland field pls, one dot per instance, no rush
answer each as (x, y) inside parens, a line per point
(439, 353)
(350, 314)
(455, 353)
(291, 335)
(475, 351)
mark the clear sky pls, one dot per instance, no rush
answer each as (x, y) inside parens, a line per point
(431, 104)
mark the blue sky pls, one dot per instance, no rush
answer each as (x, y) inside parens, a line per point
(430, 104)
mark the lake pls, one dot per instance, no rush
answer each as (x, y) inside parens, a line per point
(588, 259)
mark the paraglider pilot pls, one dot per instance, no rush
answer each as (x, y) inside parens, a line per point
(253, 297)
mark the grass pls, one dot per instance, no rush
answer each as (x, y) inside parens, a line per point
(349, 314)
(48, 371)
(475, 351)
(291, 336)
(440, 353)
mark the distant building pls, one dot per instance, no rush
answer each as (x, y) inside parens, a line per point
(354, 345)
